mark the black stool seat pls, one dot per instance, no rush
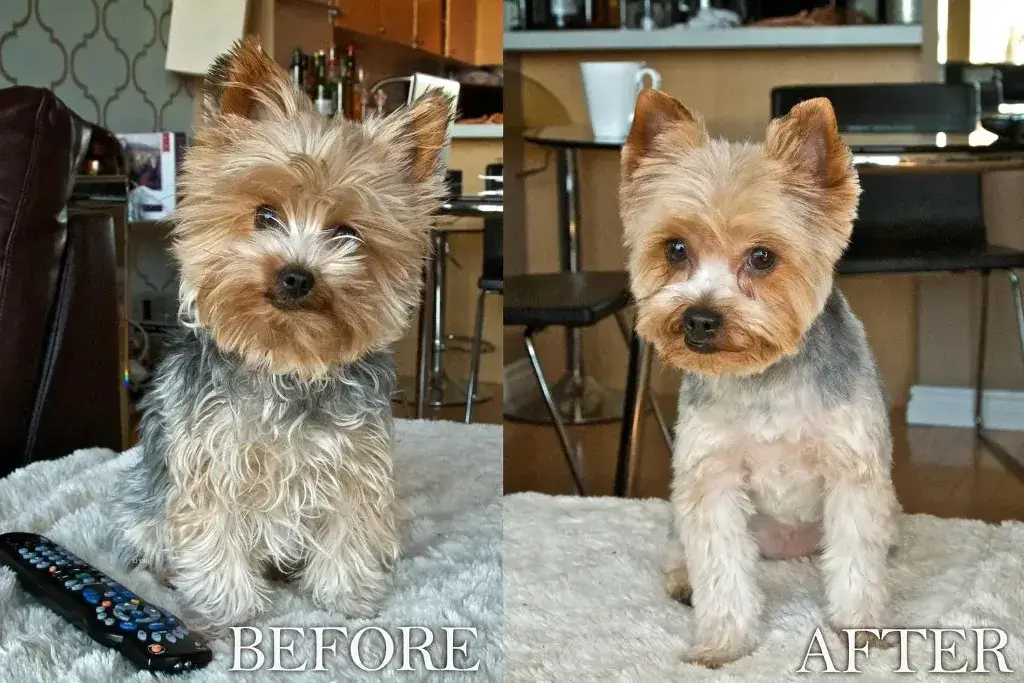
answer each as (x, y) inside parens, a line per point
(895, 258)
(565, 299)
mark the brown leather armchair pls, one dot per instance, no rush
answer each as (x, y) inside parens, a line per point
(59, 351)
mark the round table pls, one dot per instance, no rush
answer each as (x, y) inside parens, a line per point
(579, 398)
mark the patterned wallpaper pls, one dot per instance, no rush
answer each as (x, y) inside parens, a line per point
(103, 58)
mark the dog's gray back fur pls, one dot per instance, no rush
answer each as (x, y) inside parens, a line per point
(195, 376)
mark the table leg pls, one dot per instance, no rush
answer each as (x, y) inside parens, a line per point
(580, 399)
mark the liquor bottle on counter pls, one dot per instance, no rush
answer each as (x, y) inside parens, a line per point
(350, 81)
(295, 70)
(323, 90)
(604, 14)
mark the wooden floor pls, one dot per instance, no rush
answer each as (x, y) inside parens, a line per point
(488, 412)
(939, 471)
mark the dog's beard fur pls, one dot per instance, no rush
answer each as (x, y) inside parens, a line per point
(260, 143)
(796, 195)
(266, 437)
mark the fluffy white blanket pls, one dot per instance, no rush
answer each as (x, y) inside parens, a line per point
(448, 474)
(584, 600)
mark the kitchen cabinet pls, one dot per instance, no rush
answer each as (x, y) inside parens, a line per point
(397, 22)
(467, 30)
(361, 16)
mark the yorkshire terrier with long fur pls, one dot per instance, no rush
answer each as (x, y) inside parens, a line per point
(266, 440)
(783, 446)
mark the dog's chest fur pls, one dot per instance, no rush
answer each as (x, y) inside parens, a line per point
(272, 453)
(826, 398)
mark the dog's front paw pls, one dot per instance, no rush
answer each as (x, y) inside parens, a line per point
(677, 583)
(713, 657)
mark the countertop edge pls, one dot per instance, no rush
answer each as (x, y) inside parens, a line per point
(477, 131)
(683, 38)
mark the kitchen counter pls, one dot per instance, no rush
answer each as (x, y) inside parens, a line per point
(683, 38)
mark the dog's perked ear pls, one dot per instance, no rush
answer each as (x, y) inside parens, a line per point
(807, 139)
(417, 134)
(658, 114)
(246, 82)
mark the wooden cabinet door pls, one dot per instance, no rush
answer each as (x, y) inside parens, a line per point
(361, 16)
(429, 26)
(460, 40)
(490, 32)
(397, 21)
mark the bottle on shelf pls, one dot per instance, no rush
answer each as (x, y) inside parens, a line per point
(604, 14)
(295, 70)
(350, 83)
(334, 77)
(323, 89)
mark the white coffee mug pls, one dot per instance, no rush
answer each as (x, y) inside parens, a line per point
(611, 89)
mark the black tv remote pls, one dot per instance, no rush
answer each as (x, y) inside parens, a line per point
(150, 637)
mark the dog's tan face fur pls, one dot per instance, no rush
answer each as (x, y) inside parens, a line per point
(703, 217)
(269, 183)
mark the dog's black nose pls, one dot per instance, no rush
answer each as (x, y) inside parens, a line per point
(294, 282)
(701, 324)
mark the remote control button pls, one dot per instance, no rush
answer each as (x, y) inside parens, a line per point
(76, 587)
(169, 637)
(126, 625)
(180, 632)
(135, 601)
(69, 583)
(142, 635)
(109, 621)
(157, 626)
(101, 610)
(53, 570)
(107, 603)
(156, 649)
(23, 551)
(157, 637)
(109, 594)
(91, 596)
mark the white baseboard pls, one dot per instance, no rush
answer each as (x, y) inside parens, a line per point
(954, 407)
(517, 380)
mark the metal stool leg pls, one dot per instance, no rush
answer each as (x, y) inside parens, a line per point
(1008, 460)
(979, 381)
(666, 434)
(474, 355)
(563, 435)
(632, 416)
(424, 345)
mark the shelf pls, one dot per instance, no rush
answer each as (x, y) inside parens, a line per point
(683, 38)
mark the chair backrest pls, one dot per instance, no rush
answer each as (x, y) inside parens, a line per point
(1009, 76)
(988, 77)
(493, 263)
(892, 107)
(922, 210)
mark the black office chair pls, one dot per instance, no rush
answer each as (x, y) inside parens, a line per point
(491, 282)
(537, 301)
(926, 222)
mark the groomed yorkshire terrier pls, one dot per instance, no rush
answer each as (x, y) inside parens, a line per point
(783, 446)
(266, 439)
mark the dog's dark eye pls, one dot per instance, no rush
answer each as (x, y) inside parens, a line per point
(343, 231)
(266, 218)
(675, 251)
(761, 259)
